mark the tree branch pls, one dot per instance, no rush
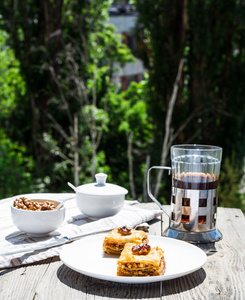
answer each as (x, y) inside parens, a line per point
(130, 137)
(166, 142)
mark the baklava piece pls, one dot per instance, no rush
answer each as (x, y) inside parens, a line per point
(141, 260)
(115, 241)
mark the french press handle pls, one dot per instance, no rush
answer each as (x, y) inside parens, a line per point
(148, 186)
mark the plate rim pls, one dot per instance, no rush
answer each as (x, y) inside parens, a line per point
(132, 280)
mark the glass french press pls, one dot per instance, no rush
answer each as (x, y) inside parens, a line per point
(195, 173)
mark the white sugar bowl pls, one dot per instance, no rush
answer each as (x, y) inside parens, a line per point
(100, 199)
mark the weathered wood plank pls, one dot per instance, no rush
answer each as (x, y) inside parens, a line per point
(21, 283)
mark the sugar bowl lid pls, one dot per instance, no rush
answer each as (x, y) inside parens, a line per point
(101, 188)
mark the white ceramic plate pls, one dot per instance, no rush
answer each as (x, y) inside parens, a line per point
(86, 256)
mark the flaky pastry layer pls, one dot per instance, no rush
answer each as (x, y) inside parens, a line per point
(114, 242)
(130, 264)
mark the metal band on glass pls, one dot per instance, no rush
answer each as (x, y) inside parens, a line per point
(193, 210)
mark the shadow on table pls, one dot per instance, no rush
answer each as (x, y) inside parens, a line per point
(208, 248)
(183, 284)
(102, 288)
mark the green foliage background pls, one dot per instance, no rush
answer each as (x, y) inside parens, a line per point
(57, 63)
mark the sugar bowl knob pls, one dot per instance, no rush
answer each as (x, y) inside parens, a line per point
(101, 178)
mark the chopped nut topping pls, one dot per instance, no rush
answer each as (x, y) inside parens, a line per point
(141, 249)
(124, 230)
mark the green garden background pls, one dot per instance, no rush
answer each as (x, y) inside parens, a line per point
(63, 118)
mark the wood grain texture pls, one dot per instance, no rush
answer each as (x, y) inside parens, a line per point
(222, 277)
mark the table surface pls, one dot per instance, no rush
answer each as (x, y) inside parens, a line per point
(222, 277)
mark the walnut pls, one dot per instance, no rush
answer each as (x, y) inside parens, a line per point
(141, 249)
(124, 230)
(47, 206)
(25, 204)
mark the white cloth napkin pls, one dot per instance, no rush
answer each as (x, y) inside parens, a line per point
(75, 223)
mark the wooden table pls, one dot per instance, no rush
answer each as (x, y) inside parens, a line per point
(222, 277)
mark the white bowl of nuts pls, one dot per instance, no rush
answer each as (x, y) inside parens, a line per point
(36, 217)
